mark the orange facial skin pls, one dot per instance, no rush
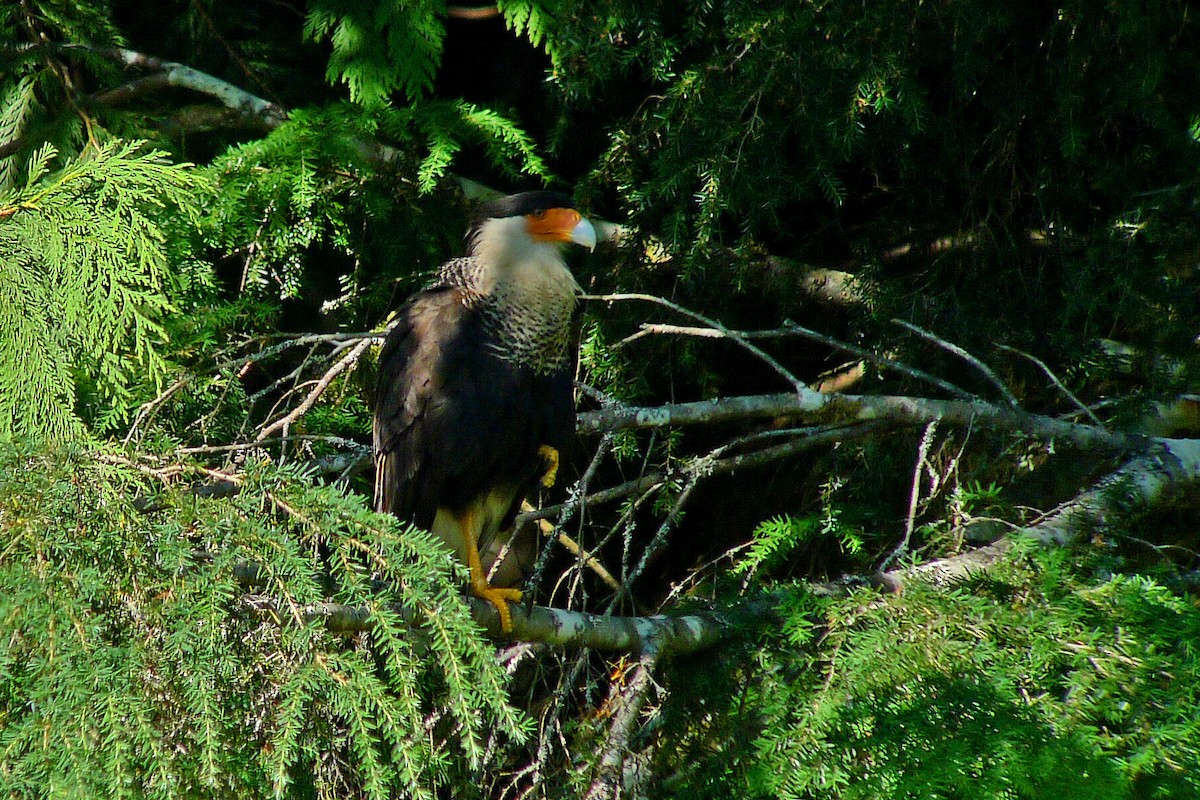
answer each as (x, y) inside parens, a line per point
(553, 224)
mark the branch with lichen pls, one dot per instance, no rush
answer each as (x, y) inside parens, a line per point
(845, 409)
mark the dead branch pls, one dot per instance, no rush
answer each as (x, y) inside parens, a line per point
(629, 702)
(269, 115)
(983, 369)
(789, 331)
(318, 389)
(914, 496)
(801, 388)
(1139, 484)
(852, 408)
(1057, 383)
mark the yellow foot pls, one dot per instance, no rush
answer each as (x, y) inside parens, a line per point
(500, 598)
(551, 474)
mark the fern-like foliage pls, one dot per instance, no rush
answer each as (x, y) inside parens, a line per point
(380, 46)
(81, 284)
(17, 107)
(532, 20)
(135, 662)
(778, 537)
(385, 46)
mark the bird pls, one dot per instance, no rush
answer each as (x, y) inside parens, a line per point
(474, 400)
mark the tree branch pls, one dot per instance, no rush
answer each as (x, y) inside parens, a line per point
(629, 703)
(319, 389)
(1139, 484)
(802, 389)
(983, 369)
(647, 328)
(661, 634)
(852, 408)
(1057, 383)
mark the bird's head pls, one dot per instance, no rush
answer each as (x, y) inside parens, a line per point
(528, 228)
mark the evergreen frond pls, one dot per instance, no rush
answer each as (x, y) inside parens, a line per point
(380, 46)
(18, 103)
(532, 20)
(83, 266)
(134, 663)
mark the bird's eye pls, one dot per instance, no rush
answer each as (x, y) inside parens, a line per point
(539, 214)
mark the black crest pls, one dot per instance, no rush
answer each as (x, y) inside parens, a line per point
(516, 205)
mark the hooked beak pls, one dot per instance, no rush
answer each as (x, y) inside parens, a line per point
(561, 225)
(584, 234)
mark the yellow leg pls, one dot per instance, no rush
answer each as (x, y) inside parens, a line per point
(551, 474)
(498, 597)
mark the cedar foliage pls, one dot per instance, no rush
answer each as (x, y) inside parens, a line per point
(1035, 680)
(82, 293)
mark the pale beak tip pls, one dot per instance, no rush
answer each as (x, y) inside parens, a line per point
(584, 234)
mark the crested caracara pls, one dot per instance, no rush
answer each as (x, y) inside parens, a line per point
(475, 400)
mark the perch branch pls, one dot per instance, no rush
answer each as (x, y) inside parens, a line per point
(1143, 481)
(664, 635)
(849, 408)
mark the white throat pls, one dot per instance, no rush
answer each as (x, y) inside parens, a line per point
(519, 265)
(526, 292)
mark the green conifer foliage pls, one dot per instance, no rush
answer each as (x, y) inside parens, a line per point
(380, 46)
(81, 284)
(1034, 680)
(134, 662)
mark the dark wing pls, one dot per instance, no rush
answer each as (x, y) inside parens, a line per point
(454, 420)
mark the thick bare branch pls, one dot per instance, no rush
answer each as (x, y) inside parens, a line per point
(171, 73)
(663, 635)
(1139, 484)
(853, 408)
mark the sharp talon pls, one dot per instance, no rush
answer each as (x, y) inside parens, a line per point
(551, 474)
(500, 598)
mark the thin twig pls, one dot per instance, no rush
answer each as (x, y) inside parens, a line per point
(578, 491)
(800, 387)
(339, 441)
(1057, 383)
(618, 492)
(984, 369)
(146, 411)
(318, 389)
(800, 331)
(913, 497)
